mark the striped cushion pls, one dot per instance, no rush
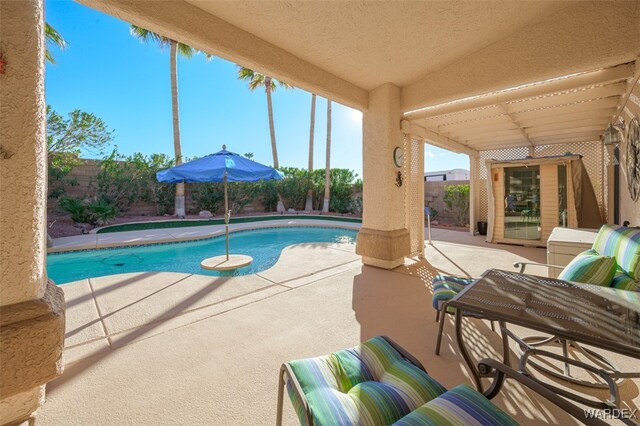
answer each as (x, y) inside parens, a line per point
(622, 281)
(369, 384)
(589, 268)
(461, 405)
(624, 244)
(446, 288)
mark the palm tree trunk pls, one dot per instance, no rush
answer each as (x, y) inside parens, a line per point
(327, 170)
(173, 54)
(272, 130)
(309, 203)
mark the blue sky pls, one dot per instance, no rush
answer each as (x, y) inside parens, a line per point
(108, 72)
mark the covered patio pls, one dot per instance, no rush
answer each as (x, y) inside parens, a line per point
(169, 348)
(484, 79)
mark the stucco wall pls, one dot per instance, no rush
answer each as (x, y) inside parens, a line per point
(23, 166)
(628, 208)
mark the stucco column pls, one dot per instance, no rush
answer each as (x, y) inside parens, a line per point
(383, 240)
(31, 309)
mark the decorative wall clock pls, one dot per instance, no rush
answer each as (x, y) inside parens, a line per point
(633, 158)
(398, 156)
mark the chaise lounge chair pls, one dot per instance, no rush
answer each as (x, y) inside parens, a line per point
(380, 383)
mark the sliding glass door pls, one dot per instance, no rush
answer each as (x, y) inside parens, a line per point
(522, 203)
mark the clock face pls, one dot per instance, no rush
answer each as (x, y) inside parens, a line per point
(398, 156)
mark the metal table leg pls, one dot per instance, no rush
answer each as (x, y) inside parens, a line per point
(475, 372)
(464, 353)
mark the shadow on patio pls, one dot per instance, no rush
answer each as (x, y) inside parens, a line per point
(207, 350)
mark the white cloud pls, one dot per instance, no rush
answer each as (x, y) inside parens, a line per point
(429, 154)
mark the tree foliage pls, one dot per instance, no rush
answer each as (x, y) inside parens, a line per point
(456, 200)
(67, 138)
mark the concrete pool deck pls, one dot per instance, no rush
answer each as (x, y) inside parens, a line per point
(170, 348)
(166, 235)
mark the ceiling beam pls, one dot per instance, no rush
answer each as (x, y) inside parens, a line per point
(576, 137)
(491, 146)
(562, 118)
(522, 132)
(573, 40)
(436, 139)
(537, 133)
(616, 89)
(595, 105)
(470, 133)
(491, 122)
(572, 124)
(188, 24)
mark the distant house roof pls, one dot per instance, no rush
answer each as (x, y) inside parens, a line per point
(447, 172)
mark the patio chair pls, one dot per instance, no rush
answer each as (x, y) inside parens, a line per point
(615, 242)
(380, 383)
(612, 261)
(445, 288)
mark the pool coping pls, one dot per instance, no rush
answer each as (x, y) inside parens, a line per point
(233, 220)
(179, 235)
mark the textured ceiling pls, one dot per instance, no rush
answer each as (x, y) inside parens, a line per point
(372, 43)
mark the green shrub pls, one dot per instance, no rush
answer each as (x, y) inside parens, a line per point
(207, 196)
(456, 200)
(122, 180)
(97, 212)
(76, 207)
(294, 187)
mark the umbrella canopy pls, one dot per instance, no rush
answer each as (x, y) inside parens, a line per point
(212, 168)
(223, 166)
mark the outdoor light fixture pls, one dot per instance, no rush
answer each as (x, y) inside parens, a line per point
(611, 136)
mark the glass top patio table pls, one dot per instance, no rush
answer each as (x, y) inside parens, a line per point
(590, 314)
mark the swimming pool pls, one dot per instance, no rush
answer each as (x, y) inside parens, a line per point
(264, 245)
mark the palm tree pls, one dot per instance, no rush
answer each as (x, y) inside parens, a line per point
(175, 48)
(327, 170)
(256, 80)
(309, 203)
(53, 37)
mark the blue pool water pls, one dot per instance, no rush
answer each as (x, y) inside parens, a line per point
(264, 245)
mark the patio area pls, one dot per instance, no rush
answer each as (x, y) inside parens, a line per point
(206, 350)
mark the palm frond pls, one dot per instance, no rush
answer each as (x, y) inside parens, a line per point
(186, 50)
(53, 37)
(147, 36)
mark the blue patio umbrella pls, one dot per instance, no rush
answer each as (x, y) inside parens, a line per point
(222, 166)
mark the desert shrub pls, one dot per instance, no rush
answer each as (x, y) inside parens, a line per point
(207, 196)
(93, 212)
(76, 207)
(341, 195)
(294, 187)
(161, 195)
(456, 200)
(241, 194)
(121, 180)
(269, 194)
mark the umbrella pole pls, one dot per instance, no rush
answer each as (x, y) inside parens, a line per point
(226, 214)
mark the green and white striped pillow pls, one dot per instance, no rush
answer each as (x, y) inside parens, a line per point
(591, 269)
